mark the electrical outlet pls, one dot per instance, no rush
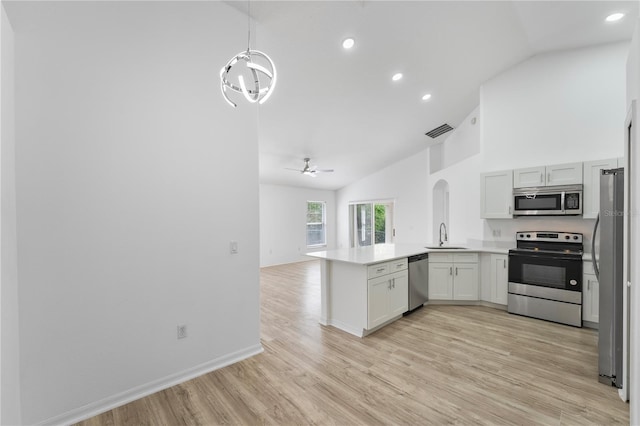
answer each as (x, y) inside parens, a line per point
(233, 247)
(497, 233)
(182, 331)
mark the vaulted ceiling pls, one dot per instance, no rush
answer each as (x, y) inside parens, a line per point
(341, 108)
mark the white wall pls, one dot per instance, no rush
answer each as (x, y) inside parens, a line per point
(10, 343)
(125, 206)
(283, 213)
(460, 154)
(633, 88)
(555, 108)
(405, 182)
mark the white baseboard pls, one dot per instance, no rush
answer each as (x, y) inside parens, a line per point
(122, 398)
(346, 327)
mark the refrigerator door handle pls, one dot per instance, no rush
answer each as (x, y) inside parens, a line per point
(593, 248)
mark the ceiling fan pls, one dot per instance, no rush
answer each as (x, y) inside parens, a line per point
(310, 171)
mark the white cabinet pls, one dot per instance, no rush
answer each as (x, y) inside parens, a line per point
(591, 190)
(465, 281)
(590, 294)
(564, 174)
(558, 174)
(440, 280)
(496, 195)
(531, 176)
(453, 276)
(499, 278)
(387, 292)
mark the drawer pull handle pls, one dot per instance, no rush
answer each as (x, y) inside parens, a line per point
(456, 270)
(450, 270)
(380, 270)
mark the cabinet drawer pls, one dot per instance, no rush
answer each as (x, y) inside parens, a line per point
(465, 257)
(440, 257)
(587, 268)
(377, 270)
(398, 265)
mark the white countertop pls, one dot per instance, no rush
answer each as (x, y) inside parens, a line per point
(384, 252)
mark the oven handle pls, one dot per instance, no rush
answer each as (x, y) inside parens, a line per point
(544, 256)
(593, 248)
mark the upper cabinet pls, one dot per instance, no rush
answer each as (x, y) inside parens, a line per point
(559, 174)
(591, 191)
(564, 174)
(531, 176)
(496, 195)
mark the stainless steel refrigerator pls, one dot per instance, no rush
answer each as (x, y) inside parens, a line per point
(609, 270)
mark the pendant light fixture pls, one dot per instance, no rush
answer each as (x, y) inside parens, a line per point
(257, 65)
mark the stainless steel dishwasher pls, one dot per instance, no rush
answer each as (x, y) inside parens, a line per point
(418, 280)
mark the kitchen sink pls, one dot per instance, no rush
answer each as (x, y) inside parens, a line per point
(445, 248)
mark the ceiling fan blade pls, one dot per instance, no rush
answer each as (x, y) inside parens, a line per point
(295, 170)
(324, 170)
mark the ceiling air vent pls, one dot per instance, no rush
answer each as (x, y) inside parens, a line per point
(439, 131)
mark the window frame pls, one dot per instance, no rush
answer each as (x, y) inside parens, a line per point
(323, 223)
(389, 221)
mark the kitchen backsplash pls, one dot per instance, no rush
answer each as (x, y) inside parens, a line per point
(504, 230)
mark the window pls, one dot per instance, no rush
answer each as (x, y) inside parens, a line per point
(316, 224)
(371, 223)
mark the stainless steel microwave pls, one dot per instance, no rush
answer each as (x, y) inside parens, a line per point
(548, 201)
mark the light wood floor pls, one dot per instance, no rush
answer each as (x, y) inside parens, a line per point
(441, 364)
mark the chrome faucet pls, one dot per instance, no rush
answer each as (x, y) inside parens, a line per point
(442, 225)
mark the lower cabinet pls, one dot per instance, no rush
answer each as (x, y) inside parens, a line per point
(499, 278)
(590, 294)
(453, 276)
(388, 294)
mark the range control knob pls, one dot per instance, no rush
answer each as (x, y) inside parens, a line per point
(566, 237)
(575, 237)
(521, 235)
(528, 235)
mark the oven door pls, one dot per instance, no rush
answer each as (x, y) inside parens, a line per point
(537, 204)
(544, 269)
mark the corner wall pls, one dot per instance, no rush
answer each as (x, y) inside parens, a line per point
(555, 108)
(405, 182)
(283, 212)
(125, 206)
(10, 343)
(633, 93)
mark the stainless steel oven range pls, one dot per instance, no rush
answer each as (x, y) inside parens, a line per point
(545, 277)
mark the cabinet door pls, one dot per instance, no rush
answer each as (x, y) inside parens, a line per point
(378, 301)
(591, 192)
(564, 174)
(465, 281)
(399, 294)
(440, 281)
(590, 298)
(499, 278)
(532, 176)
(496, 195)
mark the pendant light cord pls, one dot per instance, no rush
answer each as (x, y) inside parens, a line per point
(248, 25)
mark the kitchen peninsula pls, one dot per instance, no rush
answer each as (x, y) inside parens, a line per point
(365, 288)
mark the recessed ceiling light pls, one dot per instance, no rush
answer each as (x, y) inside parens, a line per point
(348, 43)
(614, 17)
(397, 76)
(426, 97)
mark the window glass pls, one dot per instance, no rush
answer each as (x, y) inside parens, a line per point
(316, 232)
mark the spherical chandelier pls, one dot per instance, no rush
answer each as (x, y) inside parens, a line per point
(256, 80)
